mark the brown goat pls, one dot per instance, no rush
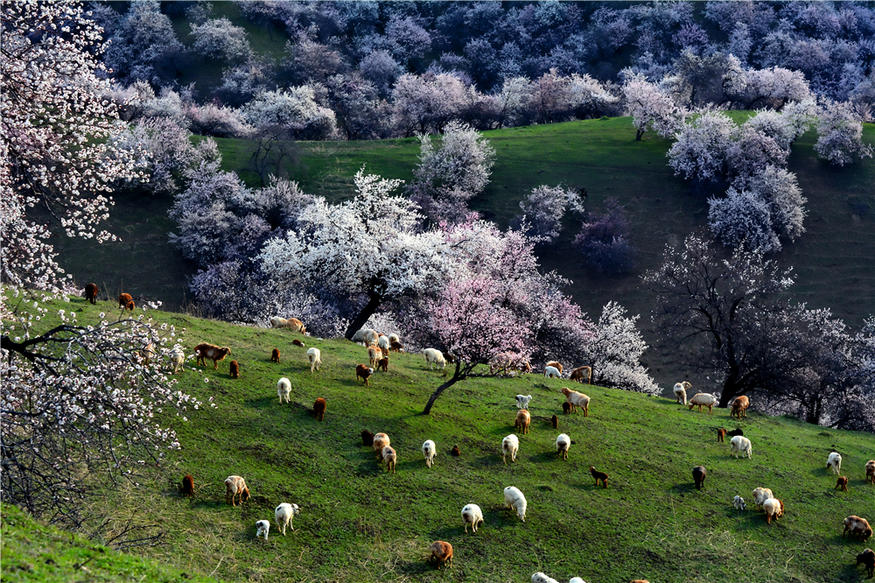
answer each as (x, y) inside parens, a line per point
(362, 371)
(739, 407)
(130, 305)
(234, 369)
(522, 421)
(699, 473)
(577, 374)
(390, 457)
(395, 346)
(455, 451)
(123, 300)
(842, 483)
(367, 438)
(441, 553)
(319, 409)
(297, 342)
(554, 421)
(91, 292)
(870, 472)
(856, 526)
(721, 434)
(554, 364)
(383, 364)
(599, 476)
(867, 559)
(187, 486)
(566, 408)
(275, 355)
(206, 350)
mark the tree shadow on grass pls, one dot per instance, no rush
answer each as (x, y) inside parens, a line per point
(684, 488)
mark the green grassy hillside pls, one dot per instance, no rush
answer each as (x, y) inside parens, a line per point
(360, 524)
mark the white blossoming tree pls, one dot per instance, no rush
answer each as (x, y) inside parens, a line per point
(651, 108)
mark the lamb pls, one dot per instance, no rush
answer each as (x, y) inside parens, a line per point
(383, 364)
(576, 399)
(721, 435)
(441, 553)
(297, 342)
(699, 474)
(206, 350)
(867, 559)
(374, 354)
(514, 499)
(522, 421)
(702, 400)
(314, 355)
(235, 486)
(455, 452)
(275, 355)
(91, 292)
(262, 527)
(124, 299)
(842, 483)
(739, 504)
(834, 461)
(187, 488)
(284, 390)
(471, 514)
(177, 357)
(363, 372)
(433, 357)
(739, 407)
(577, 374)
(740, 445)
(760, 495)
(856, 526)
(367, 438)
(540, 577)
(563, 442)
(680, 391)
(234, 369)
(510, 445)
(774, 509)
(599, 476)
(319, 407)
(554, 364)
(551, 372)
(390, 458)
(381, 440)
(366, 336)
(284, 514)
(429, 450)
(522, 401)
(870, 471)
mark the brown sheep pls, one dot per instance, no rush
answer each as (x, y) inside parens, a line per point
(867, 559)
(739, 407)
(842, 483)
(123, 300)
(599, 476)
(390, 457)
(367, 438)
(187, 486)
(383, 364)
(396, 346)
(870, 472)
(441, 553)
(699, 473)
(554, 421)
(234, 369)
(235, 486)
(91, 292)
(721, 434)
(455, 451)
(362, 372)
(577, 374)
(522, 421)
(297, 342)
(319, 409)
(554, 364)
(576, 399)
(856, 526)
(130, 306)
(275, 355)
(206, 350)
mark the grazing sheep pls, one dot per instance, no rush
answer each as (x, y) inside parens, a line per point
(123, 300)
(699, 473)
(554, 421)
(551, 372)
(390, 458)
(842, 483)
(834, 461)
(471, 514)
(774, 509)
(428, 451)
(314, 355)
(215, 353)
(367, 437)
(177, 357)
(721, 435)
(540, 577)
(522, 421)
(510, 445)
(148, 353)
(297, 342)
(319, 406)
(576, 400)
(235, 486)
(293, 323)
(739, 407)
(284, 514)
(563, 442)
(284, 390)
(522, 401)
(734, 432)
(363, 372)
(262, 527)
(381, 440)
(740, 445)
(577, 374)
(130, 306)
(867, 559)
(702, 400)
(383, 364)
(514, 499)
(234, 369)
(441, 553)
(366, 336)
(374, 354)
(739, 504)
(187, 486)
(566, 408)
(455, 451)
(870, 471)
(396, 346)
(384, 344)
(856, 526)
(680, 391)
(394, 339)
(91, 292)
(760, 495)
(433, 357)
(576, 580)
(599, 476)
(555, 364)
(275, 355)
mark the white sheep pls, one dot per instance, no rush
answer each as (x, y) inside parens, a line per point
(314, 355)
(262, 528)
(773, 508)
(760, 495)
(551, 372)
(383, 343)
(740, 445)
(834, 461)
(284, 389)
(284, 514)
(563, 442)
(366, 336)
(472, 515)
(433, 356)
(680, 391)
(542, 578)
(522, 401)
(513, 498)
(428, 451)
(739, 504)
(177, 358)
(510, 445)
(702, 400)
(576, 580)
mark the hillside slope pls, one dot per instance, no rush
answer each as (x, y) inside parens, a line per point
(360, 524)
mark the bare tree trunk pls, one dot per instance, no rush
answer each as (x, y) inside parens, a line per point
(457, 376)
(362, 317)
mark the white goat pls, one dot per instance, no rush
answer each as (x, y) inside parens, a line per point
(284, 514)
(834, 461)
(472, 515)
(314, 355)
(510, 445)
(284, 389)
(739, 504)
(428, 451)
(433, 356)
(177, 358)
(513, 498)
(551, 372)
(740, 445)
(680, 391)
(383, 343)
(522, 401)
(262, 528)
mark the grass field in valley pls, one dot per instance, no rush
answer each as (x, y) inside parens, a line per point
(360, 524)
